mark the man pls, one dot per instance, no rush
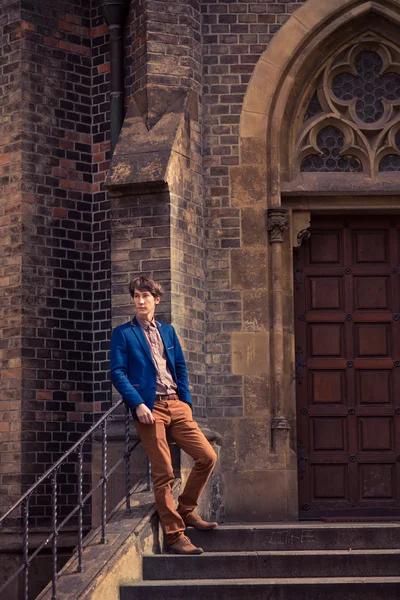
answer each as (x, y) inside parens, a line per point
(149, 371)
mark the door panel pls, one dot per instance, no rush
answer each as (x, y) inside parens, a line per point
(348, 367)
(325, 293)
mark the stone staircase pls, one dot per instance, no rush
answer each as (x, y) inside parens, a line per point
(301, 561)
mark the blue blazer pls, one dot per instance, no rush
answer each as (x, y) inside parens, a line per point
(133, 371)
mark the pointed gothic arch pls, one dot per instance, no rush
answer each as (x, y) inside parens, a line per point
(285, 73)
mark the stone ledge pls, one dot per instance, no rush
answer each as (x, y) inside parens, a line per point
(144, 154)
(334, 183)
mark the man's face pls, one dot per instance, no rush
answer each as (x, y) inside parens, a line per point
(145, 304)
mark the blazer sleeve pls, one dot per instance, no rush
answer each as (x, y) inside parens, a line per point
(119, 369)
(181, 372)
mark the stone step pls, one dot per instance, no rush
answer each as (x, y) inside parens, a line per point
(370, 588)
(225, 565)
(298, 536)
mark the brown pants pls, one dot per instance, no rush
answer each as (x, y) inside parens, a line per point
(176, 416)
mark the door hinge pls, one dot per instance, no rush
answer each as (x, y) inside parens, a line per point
(299, 364)
(301, 459)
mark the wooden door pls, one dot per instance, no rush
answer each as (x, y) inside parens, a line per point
(347, 283)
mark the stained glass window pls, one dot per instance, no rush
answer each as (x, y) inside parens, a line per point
(368, 86)
(330, 141)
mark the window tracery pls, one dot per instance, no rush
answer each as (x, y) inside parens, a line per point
(330, 142)
(352, 121)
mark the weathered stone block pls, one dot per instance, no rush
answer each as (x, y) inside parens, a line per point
(256, 496)
(313, 13)
(262, 85)
(226, 427)
(253, 440)
(254, 230)
(250, 353)
(292, 494)
(253, 151)
(279, 50)
(255, 309)
(251, 124)
(248, 185)
(249, 269)
(256, 392)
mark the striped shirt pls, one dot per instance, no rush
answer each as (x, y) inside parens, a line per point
(164, 381)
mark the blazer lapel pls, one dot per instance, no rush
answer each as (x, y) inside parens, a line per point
(140, 336)
(161, 332)
(166, 343)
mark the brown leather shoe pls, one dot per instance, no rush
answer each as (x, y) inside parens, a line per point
(194, 520)
(184, 546)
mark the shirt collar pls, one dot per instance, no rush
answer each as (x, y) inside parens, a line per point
(145, 324)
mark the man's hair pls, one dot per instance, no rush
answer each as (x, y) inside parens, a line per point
(145, 283)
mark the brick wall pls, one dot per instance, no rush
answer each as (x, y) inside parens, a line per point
(61, 312)
(57, 258)
(235, 34)
(57, 219)
(136, 48)
(163, 54)
(174, 52)
(63, 301)
(101, 284)
(10, 252)
(163, 62)
(140, 244)
(187, 264)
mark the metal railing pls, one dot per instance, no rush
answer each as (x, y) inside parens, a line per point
(51, 474)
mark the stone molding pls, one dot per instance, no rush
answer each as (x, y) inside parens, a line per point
(278, 224)
(280, 423)
(144, 155)
(300, 222)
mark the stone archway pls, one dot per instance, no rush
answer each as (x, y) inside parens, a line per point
(266, 136)
(282, 68)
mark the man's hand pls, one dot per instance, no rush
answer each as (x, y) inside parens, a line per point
(144, 414)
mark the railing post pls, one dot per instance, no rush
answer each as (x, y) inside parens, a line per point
(26, 548)
(51, 475)
(55, 534)
(80, 513)
(127, 456)
(104, 484)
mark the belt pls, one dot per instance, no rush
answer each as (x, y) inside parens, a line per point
(161, 397)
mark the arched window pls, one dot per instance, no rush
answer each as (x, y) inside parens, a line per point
(351, 115)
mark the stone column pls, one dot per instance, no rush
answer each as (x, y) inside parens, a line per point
(278, 223)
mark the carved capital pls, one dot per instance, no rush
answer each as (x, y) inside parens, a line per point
(280, 423)
(278, 223)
